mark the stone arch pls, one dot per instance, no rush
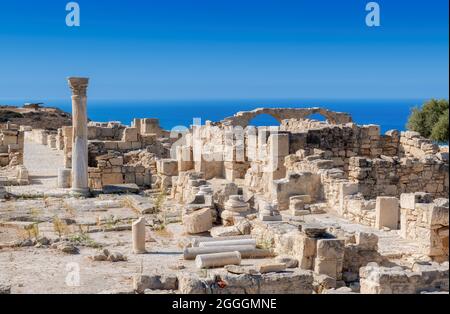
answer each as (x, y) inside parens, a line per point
(243, 118)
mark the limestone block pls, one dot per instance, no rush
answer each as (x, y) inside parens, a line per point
(304, 250)
(330, 249)
(305, 198)
(124, 145)
(116, 161)
(220, 231)
(387, 212)
(168, 167)
(272, 267)
(289, 261)
(185, 158)
(296, 282)
(330, 257)
(198, 221)
(313, 230)
(296, 204)
(112, 178)
(409, 200)
(155, 282)
(278, 145)
(130, 135)
(111, 145)
(366, 241)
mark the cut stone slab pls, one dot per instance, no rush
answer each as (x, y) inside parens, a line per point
(272, 268)
(141, 204)
(120, 188)
(387, 212)
(240, 269)
(313, 230)
(218, 232)
(270, 218)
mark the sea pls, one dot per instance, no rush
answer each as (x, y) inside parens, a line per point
(389, 114)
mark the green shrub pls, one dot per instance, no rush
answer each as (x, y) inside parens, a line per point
(431, 120)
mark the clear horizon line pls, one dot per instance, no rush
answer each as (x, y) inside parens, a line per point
(25, 100)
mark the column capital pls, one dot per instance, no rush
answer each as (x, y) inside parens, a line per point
(78, 85)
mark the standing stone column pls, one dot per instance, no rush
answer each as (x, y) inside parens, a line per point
(138, 235)
(79, 137)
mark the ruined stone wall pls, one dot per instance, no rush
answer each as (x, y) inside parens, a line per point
(426, 222)
(397, 280)
(11, 145)
(115, 150)
(340, 142)
(414, 145)
(392, 176)
(105, 131)
(115, 168)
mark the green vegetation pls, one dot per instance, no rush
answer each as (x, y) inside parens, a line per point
(7, 115)
(83, 239)
(431, 121)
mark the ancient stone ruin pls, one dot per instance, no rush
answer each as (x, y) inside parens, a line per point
(227, 207)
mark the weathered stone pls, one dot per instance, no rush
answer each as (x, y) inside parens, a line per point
(290, 262)
(313, 230)
(217, 259)
(198, 221)
(120, 188)
(154, 282)
(68, 248)
(138, 235)
(272, 267)
(387, 212)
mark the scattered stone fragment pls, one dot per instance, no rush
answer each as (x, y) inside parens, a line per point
(198, 222)
(116, 257)
(100, 256)
(272, 268)
(220, 231)
(290, 262)
(323, 283)
(155, 282)
(68, 248)
(241, 269)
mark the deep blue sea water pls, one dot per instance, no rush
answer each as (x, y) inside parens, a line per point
(389, 114)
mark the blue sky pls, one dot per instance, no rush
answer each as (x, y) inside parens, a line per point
(211, 49)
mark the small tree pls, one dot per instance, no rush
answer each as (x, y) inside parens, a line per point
(440, 130)
(430, 120)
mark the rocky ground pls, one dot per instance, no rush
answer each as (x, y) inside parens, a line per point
(40, 118)
(51, 242)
